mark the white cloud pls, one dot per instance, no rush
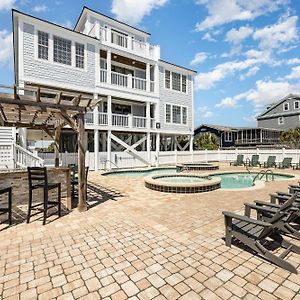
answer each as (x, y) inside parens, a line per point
(282, 33)
(225, 11)
(293, 61)
(208, 37)
(6, 4)
(231, 102)
(236, 36)
(40, 8)
(250, 73)
(6, 47)
(205, 111)
(295, 74)
(67, 24)
(199, 58)
(132, 12)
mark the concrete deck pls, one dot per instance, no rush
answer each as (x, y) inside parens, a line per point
(141, 244)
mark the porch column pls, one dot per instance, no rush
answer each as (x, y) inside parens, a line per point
(192, 147)
(157, 148)
(148, 115)
(148, 77)
(156, 78)
(23, 137)
(56, 145)
(82, 185)
(96, 148)
(108, 149)
(96, 112)
(108, 61)
(149, 148)
(103, 141)
(109, 116)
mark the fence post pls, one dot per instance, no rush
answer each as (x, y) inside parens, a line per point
(283, 153)
(219, 155)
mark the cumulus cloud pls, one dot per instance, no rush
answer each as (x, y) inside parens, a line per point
(236, 36)
(226, 11)
(131, 12)
(206, 113)
(6, 4)
(295, 74)
(199, 58)
(231, 102)
(282, 33)
(6, 47)
(250, 73)
(293, 61)
(40, 8)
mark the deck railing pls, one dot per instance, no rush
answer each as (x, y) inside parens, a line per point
(119, 79)
(89, 118)
(120, 120)
(102, 117)
(139, 83)
(103, 75)
(119, 39)
(139, 122)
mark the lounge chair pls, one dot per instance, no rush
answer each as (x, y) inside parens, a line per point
(239, 161)
(296, 166)
(255, 233)
(285, 164)
(269, 163)
(254, 161)
(266, 211)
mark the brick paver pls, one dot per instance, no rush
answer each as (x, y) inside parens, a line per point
(140, 244)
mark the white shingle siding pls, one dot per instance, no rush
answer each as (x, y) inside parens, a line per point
(53, 72)
(168, 96)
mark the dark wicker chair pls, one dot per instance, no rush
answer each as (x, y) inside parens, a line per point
(38, 179)
(8, 209)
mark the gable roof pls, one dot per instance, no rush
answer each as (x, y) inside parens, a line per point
(85, 8)
(276, 104)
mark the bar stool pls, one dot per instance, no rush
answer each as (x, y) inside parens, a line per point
(38, 179)
(8, 209)
(74, 180)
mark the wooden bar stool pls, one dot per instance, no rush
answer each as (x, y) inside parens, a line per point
(38, 179)
(8, 210)
(74, 180)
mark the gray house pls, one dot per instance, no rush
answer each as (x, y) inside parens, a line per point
(282, 115)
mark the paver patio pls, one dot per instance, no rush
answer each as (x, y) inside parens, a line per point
(141, 244)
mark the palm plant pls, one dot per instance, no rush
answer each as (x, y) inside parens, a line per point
(207, 141)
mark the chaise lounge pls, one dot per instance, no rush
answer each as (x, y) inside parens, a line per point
(239, 161)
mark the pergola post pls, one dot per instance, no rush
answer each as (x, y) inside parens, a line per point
(56, 145)
(82, 206)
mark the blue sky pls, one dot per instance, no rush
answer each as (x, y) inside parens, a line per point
(246, 52)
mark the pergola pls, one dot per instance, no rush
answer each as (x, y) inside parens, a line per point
(49, 110)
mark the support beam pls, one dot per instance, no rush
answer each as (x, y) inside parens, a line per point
(82, 184)
(157, 148)
(108, 62)
(148, 77)
(96, 148)
(56, 145)
(108, 149)
(149, 148)
(109, 116)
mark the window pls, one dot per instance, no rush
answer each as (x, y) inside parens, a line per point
(296, 105)
(280, 120)
(184, 115)
(183, 88)
(228, 136)
(43, 45)
(176, 81)
(168, 113)
(286, 107)
(79, 55)
(62, 51)
(167, 79)
(176, 114)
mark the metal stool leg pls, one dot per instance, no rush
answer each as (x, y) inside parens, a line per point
(10, 207)
(29, 206)
(45, 205)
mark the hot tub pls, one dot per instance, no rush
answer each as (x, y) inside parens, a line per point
(198, 167)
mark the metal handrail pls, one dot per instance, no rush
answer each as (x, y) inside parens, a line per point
(271, 172)
(262, 173)
(112, 163)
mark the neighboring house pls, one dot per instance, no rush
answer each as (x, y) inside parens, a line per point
(240, 136)
(144, 102)
(282, 115)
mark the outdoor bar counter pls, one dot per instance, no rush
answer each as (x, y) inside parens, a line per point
(18, 180)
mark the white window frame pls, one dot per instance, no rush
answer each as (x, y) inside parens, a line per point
(76, 43)
(171, 118)
(51, 48)
(228, 136)
(288, 106)
(298, 103)
(186, 115)
(171, 81)
(180, 110)
(168, 88)
(48, 46)
(280, 120)
(171, 112)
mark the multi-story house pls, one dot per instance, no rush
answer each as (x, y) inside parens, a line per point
(282, 115)
(144, 102)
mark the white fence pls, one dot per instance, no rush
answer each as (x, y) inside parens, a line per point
(126, 160)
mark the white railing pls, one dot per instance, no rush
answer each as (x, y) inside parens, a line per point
(89, 118)
(139, 83)
(102, 118)
(119, 79)
(139, 122)
(139, 47)
(120, 120)
(119, 39)
(24, 158)
(152, 86)
(103, 75)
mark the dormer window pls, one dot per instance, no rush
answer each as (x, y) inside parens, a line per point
(286, 106)
(296, 105)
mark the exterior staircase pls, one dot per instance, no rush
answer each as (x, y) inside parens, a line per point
(13, 156)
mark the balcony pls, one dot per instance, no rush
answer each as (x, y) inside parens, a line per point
(120, 121)
(127, 81)
(121, 41)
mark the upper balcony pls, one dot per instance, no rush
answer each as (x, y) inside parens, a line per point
(118, 40)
